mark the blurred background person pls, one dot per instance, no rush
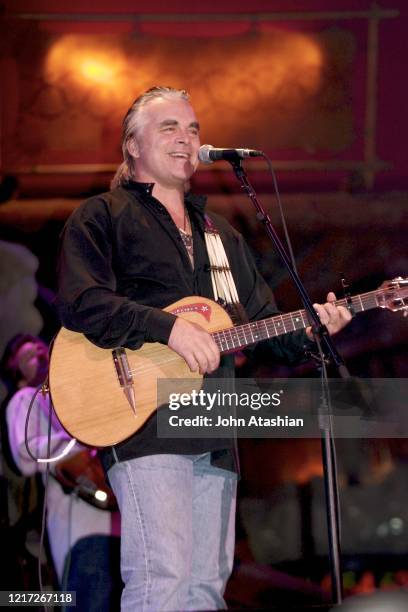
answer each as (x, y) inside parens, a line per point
(83, 535)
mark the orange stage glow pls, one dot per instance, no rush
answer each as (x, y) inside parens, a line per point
(95, 70)
(264, 85)
(278, 62)
(85, 61)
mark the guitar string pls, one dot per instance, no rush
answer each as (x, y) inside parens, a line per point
(240, 331)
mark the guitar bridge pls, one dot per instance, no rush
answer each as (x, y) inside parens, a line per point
(124, 376)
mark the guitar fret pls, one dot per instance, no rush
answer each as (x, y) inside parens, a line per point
(266, 329)
(281, 323)
(357, 304)
(271, 328)
(243, 341)
(226, 340)
(242, 338)
(251, 336)
(247, 334)
(297, 323)
(234, 339)
(255, 332)
(256, 337)
(230, 340)
(220, 341)
(371, 302)
(295, 320)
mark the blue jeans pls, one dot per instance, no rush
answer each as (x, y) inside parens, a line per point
(92, 570)
(178, 532)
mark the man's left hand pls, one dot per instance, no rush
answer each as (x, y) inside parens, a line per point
(332, 316)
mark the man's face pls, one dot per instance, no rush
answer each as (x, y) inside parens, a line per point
(31, 360)
(166, 148)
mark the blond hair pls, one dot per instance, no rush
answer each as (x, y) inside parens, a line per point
(133, 124)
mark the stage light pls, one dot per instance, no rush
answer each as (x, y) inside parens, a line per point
(82, 60)
(96, 71)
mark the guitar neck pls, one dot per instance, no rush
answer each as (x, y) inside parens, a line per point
(241, 336)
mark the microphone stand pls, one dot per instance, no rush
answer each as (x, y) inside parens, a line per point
(322, 338)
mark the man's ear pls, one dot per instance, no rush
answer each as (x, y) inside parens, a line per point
(133, 147)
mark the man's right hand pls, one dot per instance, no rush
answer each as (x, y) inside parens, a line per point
(195, 345)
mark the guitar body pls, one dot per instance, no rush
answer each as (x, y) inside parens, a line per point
(85, 389)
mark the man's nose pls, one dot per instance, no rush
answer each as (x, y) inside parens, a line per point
(183, 136)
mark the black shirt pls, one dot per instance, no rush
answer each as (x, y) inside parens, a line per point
(122, 260)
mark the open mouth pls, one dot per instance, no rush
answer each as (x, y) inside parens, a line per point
(179, 155)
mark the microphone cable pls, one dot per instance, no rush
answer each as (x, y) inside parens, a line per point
(47, 460)
(281, 211)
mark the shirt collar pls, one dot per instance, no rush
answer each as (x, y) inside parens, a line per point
(142, 188)
(197, 201)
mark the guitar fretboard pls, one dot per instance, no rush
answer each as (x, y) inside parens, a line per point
(241, 336)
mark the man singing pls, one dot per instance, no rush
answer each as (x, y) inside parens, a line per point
(125, 255)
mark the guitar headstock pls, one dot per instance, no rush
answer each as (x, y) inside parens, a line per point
(393, 295)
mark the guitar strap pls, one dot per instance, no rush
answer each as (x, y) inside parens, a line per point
(225, 292)
(223, 283)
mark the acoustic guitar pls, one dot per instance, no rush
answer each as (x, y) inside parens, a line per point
(103, 396)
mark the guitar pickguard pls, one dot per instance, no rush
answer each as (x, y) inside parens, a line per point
(200, 307)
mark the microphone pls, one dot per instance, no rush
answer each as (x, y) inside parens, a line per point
(209, 154)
